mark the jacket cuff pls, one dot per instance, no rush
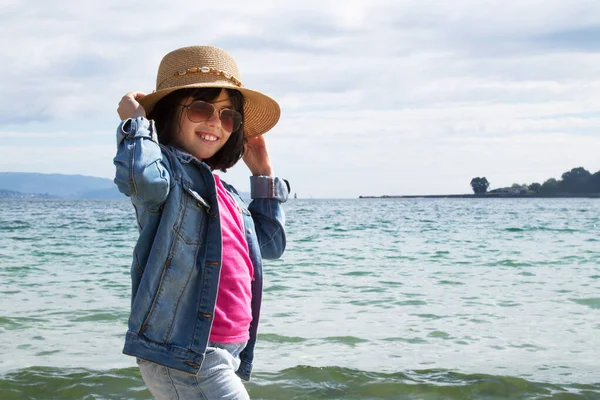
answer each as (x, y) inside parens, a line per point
(136, 127)
(266, 187)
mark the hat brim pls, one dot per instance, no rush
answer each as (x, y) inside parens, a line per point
(261, 112)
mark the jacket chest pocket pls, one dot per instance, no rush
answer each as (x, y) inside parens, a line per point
(192, 221)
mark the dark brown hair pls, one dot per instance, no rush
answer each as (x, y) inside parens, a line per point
(167, 114)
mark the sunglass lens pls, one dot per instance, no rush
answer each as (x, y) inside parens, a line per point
(231, 120)
(200, 111)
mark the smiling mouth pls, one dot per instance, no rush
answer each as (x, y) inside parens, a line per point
(208, 137)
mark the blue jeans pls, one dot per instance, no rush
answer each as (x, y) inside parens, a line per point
(215, 380)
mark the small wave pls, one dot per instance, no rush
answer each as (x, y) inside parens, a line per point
(514, 263)
(446, 282)
(276, 288)
(349, 340)
(20, 322)
(100, 317)
(429, 316)
(415, 340)
(591, 302)
(358, 273)
(527, 347)
(47, 353)
(411, 303)
(304, 382)
(274, 338)
(439, 335)
(525, 273)
(541, 229)
(391, 283)
(296, 383)
(13, 226)
(45, 383)
(508, 303)
(25, 238)
(515, 230)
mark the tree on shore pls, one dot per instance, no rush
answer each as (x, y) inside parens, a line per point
(479, 185)
(535, 187)
(594, 182)
(577, 181)
(550, 186)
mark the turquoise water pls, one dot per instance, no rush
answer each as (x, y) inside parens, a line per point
(373, 299)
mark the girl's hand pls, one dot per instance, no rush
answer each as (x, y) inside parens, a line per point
(256, 156)
(129, 106)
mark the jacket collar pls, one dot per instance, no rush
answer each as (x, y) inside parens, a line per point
(185, 157)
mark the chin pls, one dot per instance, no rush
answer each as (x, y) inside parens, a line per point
(204, 156)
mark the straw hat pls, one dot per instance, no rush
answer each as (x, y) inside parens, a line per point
(211, 67)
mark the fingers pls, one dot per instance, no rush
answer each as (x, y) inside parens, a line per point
(135, 96)
(129, 107)
(138, 95)
(257, 142)
(258, 139)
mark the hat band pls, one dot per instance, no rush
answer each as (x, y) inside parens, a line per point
(209, 70)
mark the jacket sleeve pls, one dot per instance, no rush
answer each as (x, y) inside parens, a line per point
(140, 171)
(267, 194)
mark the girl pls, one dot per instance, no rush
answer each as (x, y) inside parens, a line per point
(197, 269)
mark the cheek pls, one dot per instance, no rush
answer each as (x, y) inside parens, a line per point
(184, 124)
(226, 135)
(187, 128)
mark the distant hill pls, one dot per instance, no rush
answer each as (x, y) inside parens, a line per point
(57, 185)
(25, 185)
(10, 194)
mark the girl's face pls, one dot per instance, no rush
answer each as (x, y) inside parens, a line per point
(203, 139)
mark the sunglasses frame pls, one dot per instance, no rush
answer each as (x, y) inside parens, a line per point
(188, 107)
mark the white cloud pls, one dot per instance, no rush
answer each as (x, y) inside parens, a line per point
(381, 97)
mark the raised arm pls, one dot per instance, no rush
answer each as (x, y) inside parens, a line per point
(269, 219)
(267, 192)
(140, 171)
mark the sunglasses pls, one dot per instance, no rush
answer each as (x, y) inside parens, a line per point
(200, 111)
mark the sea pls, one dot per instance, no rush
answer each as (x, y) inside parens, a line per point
(373, 299)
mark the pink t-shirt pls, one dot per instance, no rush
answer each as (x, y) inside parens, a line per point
(233, 311)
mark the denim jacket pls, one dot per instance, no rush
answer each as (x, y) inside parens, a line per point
(177, 258)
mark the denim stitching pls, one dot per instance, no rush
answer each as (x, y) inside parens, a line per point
(172, 383)
(133, 187)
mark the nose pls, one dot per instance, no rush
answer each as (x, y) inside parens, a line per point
(215, 118)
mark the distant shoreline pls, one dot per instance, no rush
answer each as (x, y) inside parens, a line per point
(487, 196)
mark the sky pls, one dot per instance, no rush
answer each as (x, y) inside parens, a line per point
(395, 97)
